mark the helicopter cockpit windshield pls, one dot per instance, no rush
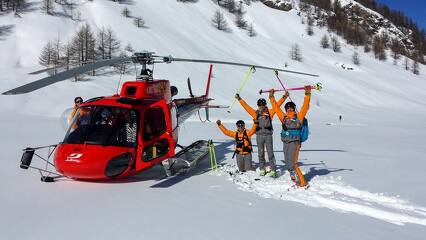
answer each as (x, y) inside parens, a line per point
(103, 125)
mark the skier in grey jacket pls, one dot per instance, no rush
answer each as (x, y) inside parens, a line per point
(264, 132)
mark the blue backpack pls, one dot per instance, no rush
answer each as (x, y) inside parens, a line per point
(303, 132)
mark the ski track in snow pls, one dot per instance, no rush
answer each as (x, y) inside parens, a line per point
(331, 193)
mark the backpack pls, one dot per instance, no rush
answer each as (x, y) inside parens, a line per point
(303, 132)
(240, 142)
(258, 115)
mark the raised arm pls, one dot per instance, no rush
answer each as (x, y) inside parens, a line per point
(253, 129)
(279, 103)
(305, 107)
(224, 130)
(247, 107)
(275, 105)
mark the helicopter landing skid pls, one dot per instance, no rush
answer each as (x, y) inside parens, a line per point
(186, 159)
(47, 175)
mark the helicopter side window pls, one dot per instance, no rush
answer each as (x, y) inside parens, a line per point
(155, 150)
(154, 123)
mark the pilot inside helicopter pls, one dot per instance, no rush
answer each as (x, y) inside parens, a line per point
(105, 125)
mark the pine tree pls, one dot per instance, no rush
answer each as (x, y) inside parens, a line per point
(139, 22)
(47, 6)
(379, 48)
(101, 44)
(367, 45)
(309, 30)
(83, 46)
(355, 59)
(415, 67)
(126, 12)
(230, 5)
(219, 21)
(335, 44)
(406, 64)
(66, 56)
(113, 44)
(47, 55)
(396, 48)
(57, 46)
(324, 42)
(250, 30)
(295, 52)
(239, 17)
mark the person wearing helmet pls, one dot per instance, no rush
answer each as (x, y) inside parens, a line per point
(243, 146)
(264, 132)
(292, 121)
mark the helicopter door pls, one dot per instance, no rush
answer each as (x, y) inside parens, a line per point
(158, 143)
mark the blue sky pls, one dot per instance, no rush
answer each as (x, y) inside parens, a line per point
(415, 9)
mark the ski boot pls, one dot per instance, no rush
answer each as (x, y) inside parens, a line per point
(273, 174)
(293, 176)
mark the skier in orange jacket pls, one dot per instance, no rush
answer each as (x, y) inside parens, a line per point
(263, 132)
(290, 136)
(243, 144)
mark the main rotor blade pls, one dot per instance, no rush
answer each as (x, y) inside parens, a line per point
(64, 75)
(42, 70)
(240, 64)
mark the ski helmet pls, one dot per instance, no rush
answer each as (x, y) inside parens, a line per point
(290, 105)
(261, 102)
(240, 123)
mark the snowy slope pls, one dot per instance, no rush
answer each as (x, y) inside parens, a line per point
(369, 166)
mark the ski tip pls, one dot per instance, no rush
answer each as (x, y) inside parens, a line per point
(228, 111)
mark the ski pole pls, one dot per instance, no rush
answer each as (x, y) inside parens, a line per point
(210, 153)
(247, 75)
(317, 87)
(282, 84)
(279, 80)
(214, 157)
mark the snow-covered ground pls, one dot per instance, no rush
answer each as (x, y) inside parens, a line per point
(366, 172)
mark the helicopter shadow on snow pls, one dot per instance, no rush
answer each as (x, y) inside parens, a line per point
(221, 149)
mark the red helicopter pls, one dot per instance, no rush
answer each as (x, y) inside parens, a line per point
(120, 135)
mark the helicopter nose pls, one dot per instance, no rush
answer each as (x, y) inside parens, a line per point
(93, 162)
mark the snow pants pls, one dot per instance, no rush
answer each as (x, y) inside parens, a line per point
(262, 142)
(291, 157)
(291, 154)
(244, 162)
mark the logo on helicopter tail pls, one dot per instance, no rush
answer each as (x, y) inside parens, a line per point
(74, 157)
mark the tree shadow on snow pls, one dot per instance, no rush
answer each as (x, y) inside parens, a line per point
(6, 30)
